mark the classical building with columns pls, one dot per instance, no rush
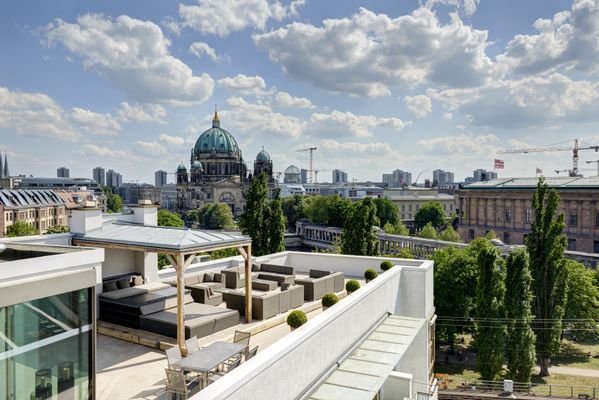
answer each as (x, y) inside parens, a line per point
(505, 206)
(218, 173)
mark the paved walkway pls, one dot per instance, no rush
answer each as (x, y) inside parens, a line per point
(593, 373)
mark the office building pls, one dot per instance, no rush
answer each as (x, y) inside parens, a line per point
(481, 175)
(99, 175)
(339, 176)
(505, 206)
(63, 172)
(113, 179)
(304, 176)
(441, 177)
(397, 179)
(160, 178)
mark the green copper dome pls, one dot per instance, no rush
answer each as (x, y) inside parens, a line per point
(196, 165)
(181, 167)
(216, 140)
(263, 156)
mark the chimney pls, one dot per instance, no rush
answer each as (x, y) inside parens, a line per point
(144, 212)
(86, 218)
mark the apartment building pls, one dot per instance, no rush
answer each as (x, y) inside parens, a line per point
(38, 208)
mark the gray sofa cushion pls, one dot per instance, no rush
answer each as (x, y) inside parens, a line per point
(110, 286)
(279, 269)
(123, 283)
(208, 277)
(318, 273)
(132, 291)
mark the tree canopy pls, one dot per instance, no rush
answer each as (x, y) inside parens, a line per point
(397, 229)
(450, 235)
(275, 222)
(546, 244)
(431, 211)
(359, 236)
(20, 228)
(386, 211)
(428, 232)
(213, 216)
(327, 210)
(58, 229)
(293, 209)
(168, 218)
(583, 300)
(114, 202)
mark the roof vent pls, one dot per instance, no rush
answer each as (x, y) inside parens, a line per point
(146, 202)
(88, 204)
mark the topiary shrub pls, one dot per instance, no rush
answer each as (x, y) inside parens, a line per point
(385, 265)
(370, 274)
(329, 300)
(352, 285)
(296, 318)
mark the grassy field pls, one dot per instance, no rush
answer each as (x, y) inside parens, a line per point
(572, 354)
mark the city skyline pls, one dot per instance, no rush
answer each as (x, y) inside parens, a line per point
(133, 86)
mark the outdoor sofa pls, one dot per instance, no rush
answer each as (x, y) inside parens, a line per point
(204, 287)
(235, 276)
(320, 282)
(267, 304)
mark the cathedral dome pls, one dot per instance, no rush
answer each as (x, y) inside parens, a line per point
(216, 140)
(292, 169)
(181, 167)
(263, 156)
(196, 165)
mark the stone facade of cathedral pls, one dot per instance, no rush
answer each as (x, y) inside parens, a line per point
(218, 173)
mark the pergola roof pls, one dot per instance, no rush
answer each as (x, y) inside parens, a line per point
(160, 238)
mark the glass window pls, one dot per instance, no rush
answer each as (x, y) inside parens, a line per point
(506, 237)
(508, 215)
(410, 207)
(528, 216)
(46, 348)
(471, 233)
(572, 244)
(597, 220)
(596, 246)
(573, 221)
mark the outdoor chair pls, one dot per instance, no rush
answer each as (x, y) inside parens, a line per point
(242, 337)
(173, 355)
(192, 345)
(178, 384)
(229, 366)
(251, 353)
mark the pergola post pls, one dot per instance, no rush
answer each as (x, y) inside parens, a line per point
(181, 264)
(246, 252)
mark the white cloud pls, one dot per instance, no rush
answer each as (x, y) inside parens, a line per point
(356, 147)
(464, 145)
(347, 124)
(257, 118)
(165, 144)
(172, 25)
(221, 17)
(152, 148)
(201, 49)
(370, 53)
(99, 124)
(420, 105)
(134, 55)
(570, 41)
(467, 6)
(34, 114)
(105, 152)
(245, 85)
(172, 140)
(526, 102)
(284, 99)
(142, 112)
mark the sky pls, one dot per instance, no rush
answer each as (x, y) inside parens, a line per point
(375, 85)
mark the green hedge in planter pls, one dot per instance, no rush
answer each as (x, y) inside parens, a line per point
(329, 300)
(385, 265)
(352, 286)
(296, 318)
(370, 274)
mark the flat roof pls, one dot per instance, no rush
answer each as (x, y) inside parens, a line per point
(160, 238)
(558, 182)
(361, 375)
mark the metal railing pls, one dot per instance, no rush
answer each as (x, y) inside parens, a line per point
(534, 389)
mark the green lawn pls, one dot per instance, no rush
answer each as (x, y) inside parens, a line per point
(574, 354)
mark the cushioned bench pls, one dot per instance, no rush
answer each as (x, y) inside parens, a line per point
(204, 287)
(268, 304)
(321, 282)
(200, 320)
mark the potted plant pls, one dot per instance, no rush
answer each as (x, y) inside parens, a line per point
(385, 265)
(370, 274)
(352, 285)
(296, 318)
(329, 300)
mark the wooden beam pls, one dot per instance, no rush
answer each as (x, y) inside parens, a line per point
(243, 253)
(172, 259)
(180, 269)
(248, 283)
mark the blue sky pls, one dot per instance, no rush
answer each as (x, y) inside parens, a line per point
(416, 85)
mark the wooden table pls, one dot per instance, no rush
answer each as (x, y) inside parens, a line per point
(209, 357)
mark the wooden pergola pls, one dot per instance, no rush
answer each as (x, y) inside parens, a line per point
(180, 246)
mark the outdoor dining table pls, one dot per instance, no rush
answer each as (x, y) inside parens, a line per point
(209, 357)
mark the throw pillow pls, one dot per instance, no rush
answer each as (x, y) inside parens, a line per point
(138, 280)
(110, 286)
(255, 267)
(218, 277)
(122, 283)
(285, 286)
(208, 277)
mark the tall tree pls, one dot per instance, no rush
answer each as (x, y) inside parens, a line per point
(215, 216)
(20, 228)
(546, 245)
(252, 222)
(275, 223)
(168, 218)
(397, 229)
(450, 235)
(428, 232)
(359, 237)
(114, 202)
(520, 349)
(431, 211)
(583, 300)
(386, 211)
(293, 209)
(490, 328)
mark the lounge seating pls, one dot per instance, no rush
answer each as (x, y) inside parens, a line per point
(320, 282)
(204, 287)
(235, 277)
(268, 304)
(277, 273)
(200, 320)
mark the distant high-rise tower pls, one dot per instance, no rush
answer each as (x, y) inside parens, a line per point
(6, 172)
(160, 178)
(304, 176)
(99, 175)
(339, 176)
(63, 172)
(113, 179)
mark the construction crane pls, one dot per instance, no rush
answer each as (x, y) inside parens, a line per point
(311, 150)
(597, 162)
(415, 183)
(574, 171)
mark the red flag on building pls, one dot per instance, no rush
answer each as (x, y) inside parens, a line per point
(498, 164)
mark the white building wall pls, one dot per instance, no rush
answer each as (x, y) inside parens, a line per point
(415, 360)
(397, 386)
(119, 261)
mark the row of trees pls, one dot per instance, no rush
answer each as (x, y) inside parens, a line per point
(517, 308)
(212, 216)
